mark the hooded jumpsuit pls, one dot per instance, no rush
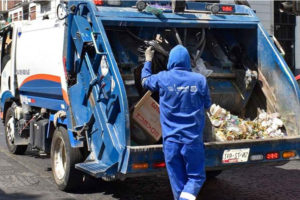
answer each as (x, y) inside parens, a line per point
(183, 97)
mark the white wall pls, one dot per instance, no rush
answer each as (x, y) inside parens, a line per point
(265, 12)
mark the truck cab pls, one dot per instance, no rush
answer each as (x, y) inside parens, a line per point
(7, 51)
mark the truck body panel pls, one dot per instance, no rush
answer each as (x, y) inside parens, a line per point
(41, 83)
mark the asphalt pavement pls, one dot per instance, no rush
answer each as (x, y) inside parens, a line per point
(30, 177)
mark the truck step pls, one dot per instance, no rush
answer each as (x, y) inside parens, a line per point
(95, 168)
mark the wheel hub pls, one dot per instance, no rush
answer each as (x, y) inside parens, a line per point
(11, 130)
(59, 159)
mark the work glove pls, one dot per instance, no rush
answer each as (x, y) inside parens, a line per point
(149, 53)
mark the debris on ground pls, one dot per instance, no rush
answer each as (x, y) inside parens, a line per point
(228, 127)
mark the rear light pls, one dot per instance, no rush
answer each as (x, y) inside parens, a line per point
(256, 157)
(289, 154)
(272, 156)
(159, 165)
(227, 8)
(140, 166)
(98, 2)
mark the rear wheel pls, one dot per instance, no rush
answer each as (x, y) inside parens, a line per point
(10, 131)
(63, 160)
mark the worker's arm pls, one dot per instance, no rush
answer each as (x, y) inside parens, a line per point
(149, 81)
(207, 99)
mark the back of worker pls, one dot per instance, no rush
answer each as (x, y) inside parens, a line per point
(183, 97)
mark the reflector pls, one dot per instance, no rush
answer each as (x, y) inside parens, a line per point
(140, 166)
(114, 2)
(288, 154)
(256, 157)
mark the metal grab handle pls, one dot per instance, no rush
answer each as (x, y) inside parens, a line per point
(95, 44)
(278, 45)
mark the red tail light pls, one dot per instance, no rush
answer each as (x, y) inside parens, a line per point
(98, 2)
(272, 156)
(159, 165)
(227, 8)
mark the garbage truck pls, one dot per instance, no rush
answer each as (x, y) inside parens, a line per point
(70, 85)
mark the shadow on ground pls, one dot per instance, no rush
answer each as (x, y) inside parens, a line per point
(142, 188)
(259, 182)
(17, 196)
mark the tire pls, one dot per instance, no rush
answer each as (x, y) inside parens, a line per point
(213, 174)
(63, 160)
(61, 6)
(9, 122)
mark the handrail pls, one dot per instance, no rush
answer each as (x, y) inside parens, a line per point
(95, 44)
(278, 45)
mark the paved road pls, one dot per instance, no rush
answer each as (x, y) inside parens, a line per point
(29, 177)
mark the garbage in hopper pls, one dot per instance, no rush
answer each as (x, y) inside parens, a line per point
(228, 127)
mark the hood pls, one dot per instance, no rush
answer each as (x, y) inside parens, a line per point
(179, 58)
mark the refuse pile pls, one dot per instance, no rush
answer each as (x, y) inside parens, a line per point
(228, 127)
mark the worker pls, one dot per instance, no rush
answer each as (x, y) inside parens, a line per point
(183, 97)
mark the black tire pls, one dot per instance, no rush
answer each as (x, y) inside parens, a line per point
(64, 8)
(71, 177)
(213, 174)
(15, 149)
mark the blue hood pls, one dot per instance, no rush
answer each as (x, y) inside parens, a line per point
(179, 58)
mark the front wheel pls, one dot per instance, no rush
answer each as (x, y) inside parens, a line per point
(63, 160)
(10, 131)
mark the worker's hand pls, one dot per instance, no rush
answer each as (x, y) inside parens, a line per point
(149, 53)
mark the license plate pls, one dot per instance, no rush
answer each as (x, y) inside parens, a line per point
(236, 155)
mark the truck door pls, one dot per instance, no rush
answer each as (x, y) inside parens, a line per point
(6, 46)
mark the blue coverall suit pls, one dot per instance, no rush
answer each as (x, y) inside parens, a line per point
(183, 97)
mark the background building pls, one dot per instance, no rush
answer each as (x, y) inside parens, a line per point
(28, 9)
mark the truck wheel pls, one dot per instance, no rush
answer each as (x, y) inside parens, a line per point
(10, 134)
(63, 160)
(213, 174)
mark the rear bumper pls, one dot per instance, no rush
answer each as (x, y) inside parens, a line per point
(214, 152)
(148, 154)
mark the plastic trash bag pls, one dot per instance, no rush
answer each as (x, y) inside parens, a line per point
(201, 68)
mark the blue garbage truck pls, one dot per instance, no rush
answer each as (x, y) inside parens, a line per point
(69, 85)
